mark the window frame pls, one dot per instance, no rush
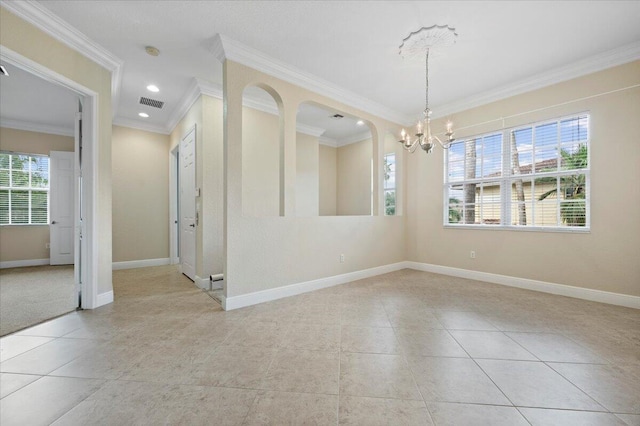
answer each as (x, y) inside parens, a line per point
(507, 180)
(393, 189)
(29, 189)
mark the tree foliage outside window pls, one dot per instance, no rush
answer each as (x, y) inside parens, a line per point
(24, 189)
(389, 184)
(530, 176)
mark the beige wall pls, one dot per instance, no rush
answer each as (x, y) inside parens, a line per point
(354, 178)
(24, 39)
(307, 175)
(28, 242)
(260, 163)
(261, 167)
(606, 258)
(328, 163)
(269, 252)
(33, 142)
(140, 195)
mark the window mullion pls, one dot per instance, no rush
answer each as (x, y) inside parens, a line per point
(506, 178)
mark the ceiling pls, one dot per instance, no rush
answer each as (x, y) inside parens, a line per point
(352, 45)
(30, 102)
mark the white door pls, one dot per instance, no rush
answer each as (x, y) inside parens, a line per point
(61, 207)
(188, 216)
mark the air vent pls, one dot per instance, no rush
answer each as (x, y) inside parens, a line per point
(337, 116)
(151, 102)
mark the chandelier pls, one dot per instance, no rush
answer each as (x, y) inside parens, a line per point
(420, 43)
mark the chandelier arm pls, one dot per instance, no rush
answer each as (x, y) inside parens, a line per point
(442, 145)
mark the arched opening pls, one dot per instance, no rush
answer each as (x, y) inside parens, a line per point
(262, 152)
(344, 162)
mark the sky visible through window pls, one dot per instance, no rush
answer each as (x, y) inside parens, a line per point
(489, 148)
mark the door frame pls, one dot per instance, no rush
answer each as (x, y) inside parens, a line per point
(174, 206)
(89, 248)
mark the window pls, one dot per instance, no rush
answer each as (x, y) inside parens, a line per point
(24, 189)
(534, 176)
(390, 184)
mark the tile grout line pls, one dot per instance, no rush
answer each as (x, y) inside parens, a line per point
(481, 369)
(576, 386)
(406, 361)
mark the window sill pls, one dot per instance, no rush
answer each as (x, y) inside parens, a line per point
(566, 230)
(12, 225)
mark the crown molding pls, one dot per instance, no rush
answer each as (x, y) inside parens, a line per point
(136, 124)
(45, 20)
(225, 48)
(306, 129)
(217, 47)
(590, 65)
(323, 140)
(210, 89)
(191, 95)
(355, 138)
(201, 87)
(37, 127)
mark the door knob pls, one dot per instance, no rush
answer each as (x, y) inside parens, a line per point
(192, 225)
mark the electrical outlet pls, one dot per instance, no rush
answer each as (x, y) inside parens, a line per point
(472, 254)
(342, 258)
(47, 246)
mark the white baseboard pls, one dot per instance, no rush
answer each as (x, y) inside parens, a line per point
(131, 264)
(104, 298)
(249, 299)
(22, 263)
(545, 287)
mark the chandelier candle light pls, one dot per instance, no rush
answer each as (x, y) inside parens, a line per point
(421, 42)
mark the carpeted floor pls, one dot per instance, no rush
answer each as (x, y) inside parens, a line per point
(34, 294)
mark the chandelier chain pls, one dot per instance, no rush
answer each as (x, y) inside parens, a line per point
(426, 100)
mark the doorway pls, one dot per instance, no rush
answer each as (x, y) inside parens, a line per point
(187, 212)
(61, 137)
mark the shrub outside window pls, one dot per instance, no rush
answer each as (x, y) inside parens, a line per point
(24, 189)
(389, 184)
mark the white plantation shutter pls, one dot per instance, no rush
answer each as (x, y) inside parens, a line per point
(534, 176)
(24, 189)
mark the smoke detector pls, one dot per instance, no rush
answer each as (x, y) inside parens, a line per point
(153, 51)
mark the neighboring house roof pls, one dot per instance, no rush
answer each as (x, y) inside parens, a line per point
(551, 163)
(527, 169)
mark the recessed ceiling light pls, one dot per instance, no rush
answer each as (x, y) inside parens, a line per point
(143, 114)
(360, 123)
(153, 88)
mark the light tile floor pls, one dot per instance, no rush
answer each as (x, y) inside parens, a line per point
(406, 348)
